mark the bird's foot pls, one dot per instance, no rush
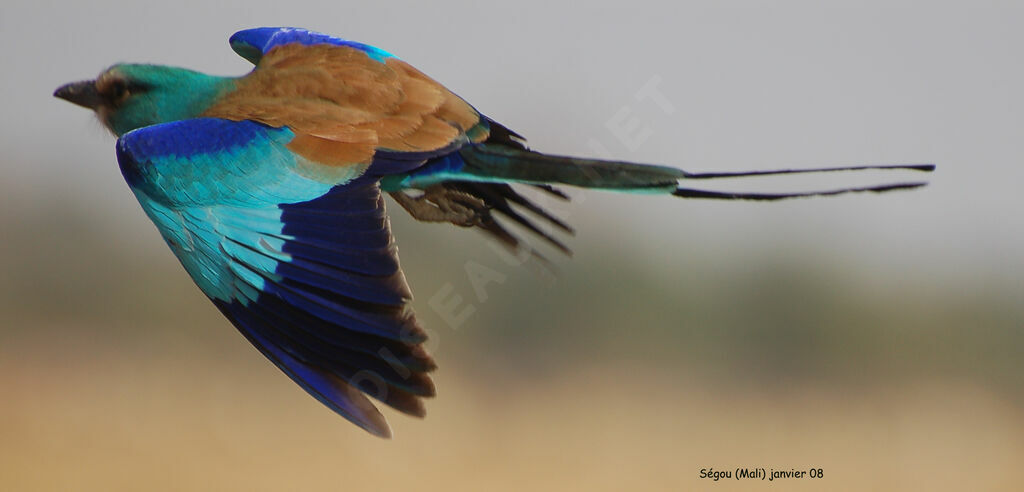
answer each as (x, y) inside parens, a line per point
(440, 204)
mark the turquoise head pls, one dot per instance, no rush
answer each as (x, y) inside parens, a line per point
(130, 96)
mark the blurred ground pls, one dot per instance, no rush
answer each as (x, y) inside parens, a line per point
(162, 423)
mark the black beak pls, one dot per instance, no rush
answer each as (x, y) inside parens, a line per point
(81, 93)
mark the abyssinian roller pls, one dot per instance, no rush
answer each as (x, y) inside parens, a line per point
(269, 189)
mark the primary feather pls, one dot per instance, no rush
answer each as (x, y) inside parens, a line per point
(268, 188)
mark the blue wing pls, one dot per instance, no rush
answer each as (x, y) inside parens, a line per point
(251, 44)
(298, 256)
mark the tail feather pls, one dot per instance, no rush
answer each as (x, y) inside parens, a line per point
(486, 170)
(525, 166)
(745, 174)
(718, 195)
(499, 163)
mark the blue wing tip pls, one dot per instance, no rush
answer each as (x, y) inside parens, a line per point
(252, 44)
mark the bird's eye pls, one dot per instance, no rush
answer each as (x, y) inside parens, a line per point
(117, 91)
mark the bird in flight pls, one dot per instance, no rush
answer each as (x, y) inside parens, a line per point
(269, 189)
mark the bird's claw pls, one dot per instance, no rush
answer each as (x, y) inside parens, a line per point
(441, 204)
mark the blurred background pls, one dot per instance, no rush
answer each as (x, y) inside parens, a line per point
(877, 337)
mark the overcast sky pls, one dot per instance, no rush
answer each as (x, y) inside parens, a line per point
(746, 87)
